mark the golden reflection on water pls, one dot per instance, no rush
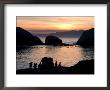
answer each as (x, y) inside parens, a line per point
(67, 55)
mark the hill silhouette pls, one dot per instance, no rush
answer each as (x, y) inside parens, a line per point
(23, 37)
(72, 33)
(58, 33)
(87, 38)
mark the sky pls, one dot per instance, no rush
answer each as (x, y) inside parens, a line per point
(55, 22)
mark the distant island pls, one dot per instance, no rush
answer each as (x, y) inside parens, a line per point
(57, 33)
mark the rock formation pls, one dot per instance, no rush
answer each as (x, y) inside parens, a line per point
(53, 40)
(87, 38)
(23, 37)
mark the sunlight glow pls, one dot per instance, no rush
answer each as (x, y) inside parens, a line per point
(65, 26)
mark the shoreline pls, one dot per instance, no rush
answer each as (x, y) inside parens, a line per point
(82, 67)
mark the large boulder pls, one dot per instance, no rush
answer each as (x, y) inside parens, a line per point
(87, 38)
(83, 67)
(46, 63)
(23, 37)
(53, 40)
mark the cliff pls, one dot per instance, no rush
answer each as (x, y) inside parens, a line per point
(87, 38)
(23, 37)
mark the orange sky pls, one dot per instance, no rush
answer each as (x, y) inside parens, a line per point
(55, 23)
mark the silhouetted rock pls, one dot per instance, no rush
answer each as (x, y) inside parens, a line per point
(87, 38)
(53, 40)
(83, 67)
(46, 63)
(23, 37)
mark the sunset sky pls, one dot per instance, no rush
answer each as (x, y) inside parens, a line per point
(55, 23)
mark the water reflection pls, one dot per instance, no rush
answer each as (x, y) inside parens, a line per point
(67, 55)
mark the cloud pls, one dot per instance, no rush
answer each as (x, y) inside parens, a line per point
(53, 22)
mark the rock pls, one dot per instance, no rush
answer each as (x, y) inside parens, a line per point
(87, 38)
(46, 63)
(83, 67)
(23, 37)
(53, 40)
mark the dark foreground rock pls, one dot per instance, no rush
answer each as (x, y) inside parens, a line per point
(87, 38)
(23, 37)
(47, 66)
(83, 67)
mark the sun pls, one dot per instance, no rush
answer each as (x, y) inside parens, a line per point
(65, 26)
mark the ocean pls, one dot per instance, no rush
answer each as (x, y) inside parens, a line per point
(67, 55)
